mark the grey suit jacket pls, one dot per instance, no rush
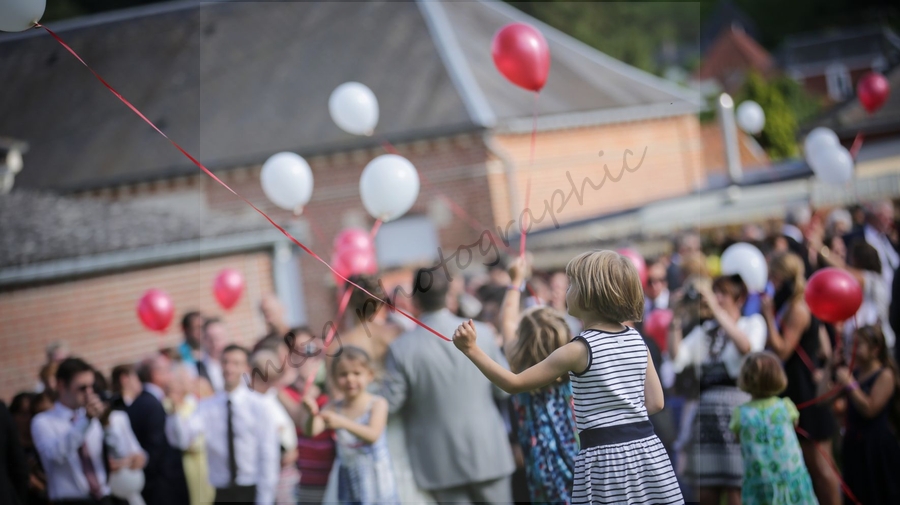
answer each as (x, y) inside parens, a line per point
(454, 432)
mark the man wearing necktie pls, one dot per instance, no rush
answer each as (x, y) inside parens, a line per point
(242, 446)
(69, 439)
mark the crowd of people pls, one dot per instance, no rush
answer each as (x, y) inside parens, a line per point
(745, 397)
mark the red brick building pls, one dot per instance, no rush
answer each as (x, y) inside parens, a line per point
(105, 208)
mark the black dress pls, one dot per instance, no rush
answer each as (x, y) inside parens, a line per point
(816, 420)
(871, 454)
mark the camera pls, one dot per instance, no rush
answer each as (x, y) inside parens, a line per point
(691, 293)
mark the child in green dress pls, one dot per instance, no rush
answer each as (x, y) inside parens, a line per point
(774, 471)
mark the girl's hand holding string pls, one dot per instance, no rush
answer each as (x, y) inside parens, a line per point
(465, 337)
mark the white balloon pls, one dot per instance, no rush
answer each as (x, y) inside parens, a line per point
(832, 164)
(819, 138)
(747, 261)
(20, 15)
(125, 482)
(389, 186)
(750, 117)
(287, 181)
(354, 108)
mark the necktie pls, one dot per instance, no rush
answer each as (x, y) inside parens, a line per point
(87, 466)
(232, 462)
(201, 370)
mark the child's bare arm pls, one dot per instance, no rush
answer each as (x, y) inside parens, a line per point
(653, 391)
(572, 357)
(315, 424)
(368, 433)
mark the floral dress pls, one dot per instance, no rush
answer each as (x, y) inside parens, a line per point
(774, 471)
(365, 475)
(546, 431)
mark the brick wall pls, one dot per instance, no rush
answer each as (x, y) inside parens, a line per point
(97, 317)
(673, 166)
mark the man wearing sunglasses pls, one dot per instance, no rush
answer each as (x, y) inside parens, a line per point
(69, 439)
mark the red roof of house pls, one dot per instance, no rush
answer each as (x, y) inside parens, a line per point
(730, 57)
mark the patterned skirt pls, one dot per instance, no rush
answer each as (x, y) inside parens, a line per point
(633, 473)
(714, 453)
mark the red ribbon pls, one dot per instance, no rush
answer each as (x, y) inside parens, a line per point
(800, 431)
(226, 186)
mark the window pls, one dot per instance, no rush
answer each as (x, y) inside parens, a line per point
(837, 78)
(408, 240)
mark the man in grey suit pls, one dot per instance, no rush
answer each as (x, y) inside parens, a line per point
(457, 443)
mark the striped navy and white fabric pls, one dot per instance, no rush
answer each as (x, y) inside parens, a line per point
(610, 392)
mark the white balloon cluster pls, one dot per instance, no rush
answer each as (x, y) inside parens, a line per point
(389, 185)
(750, 117)
(828, 159)
(20, 15)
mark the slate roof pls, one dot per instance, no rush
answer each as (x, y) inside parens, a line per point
(731, 57)
(234, 82)
(858, 47)
(41, 227)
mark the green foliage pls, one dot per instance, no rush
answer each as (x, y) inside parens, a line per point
(804, 105)
(779, 135)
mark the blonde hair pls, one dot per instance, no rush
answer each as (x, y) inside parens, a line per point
(541, 331)
(790, 267)
(608, 285)
(762, 375)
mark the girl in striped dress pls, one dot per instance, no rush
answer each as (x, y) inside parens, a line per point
(615, 386)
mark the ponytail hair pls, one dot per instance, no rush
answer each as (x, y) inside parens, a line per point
(790, 267)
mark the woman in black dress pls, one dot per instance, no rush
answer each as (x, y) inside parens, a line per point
(794, 337)
(871, 450)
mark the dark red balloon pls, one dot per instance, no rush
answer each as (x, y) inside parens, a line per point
(833, 295)
(638, 261)
(349, 262)
(353, 239)
(228, 287)
(872, 90)
(521, 54)
(155, 310)
(656, 326)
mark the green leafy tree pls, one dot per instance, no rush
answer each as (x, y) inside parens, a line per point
(779, 135)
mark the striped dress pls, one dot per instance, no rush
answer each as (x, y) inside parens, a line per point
(609, 405)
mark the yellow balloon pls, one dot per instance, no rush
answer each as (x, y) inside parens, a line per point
(713, 265)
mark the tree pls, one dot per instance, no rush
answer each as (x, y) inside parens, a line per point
(779, 135)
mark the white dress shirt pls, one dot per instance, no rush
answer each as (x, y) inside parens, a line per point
(890, 260)
(57, 439)
(284, 425)
(694, 349)
(214, 370)
(255, 440)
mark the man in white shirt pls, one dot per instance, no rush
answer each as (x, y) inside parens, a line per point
(69, 438)
(880, 223)
(215, 338)
(242, 446)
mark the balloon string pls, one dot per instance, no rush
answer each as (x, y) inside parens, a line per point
(857, 145)
(332, 331)
(524, 220)
(457, 209)
(375, 228)
(232, 191)
(800, 431)
(837, 389)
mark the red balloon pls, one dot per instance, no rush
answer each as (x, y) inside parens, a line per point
(656, 326)
(353, 239)
(521, 54)
(638, 261)
(348, 262)
(833, 295)
(228, 287)
(155, 309)
(873, 90)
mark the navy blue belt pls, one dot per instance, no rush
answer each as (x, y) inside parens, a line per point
(619, 434)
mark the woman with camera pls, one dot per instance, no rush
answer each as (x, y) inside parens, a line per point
(794, 337)
(715, 349)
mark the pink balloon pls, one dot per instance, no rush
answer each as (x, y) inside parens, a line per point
(353, 239)
(656, 326)
(349, 262)
(638, 261)
(872, 90)
(521, 54)
(833, 295)
(155, 310)
(228, 287)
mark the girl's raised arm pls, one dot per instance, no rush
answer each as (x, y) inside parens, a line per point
(509, 310)
(572, 357)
